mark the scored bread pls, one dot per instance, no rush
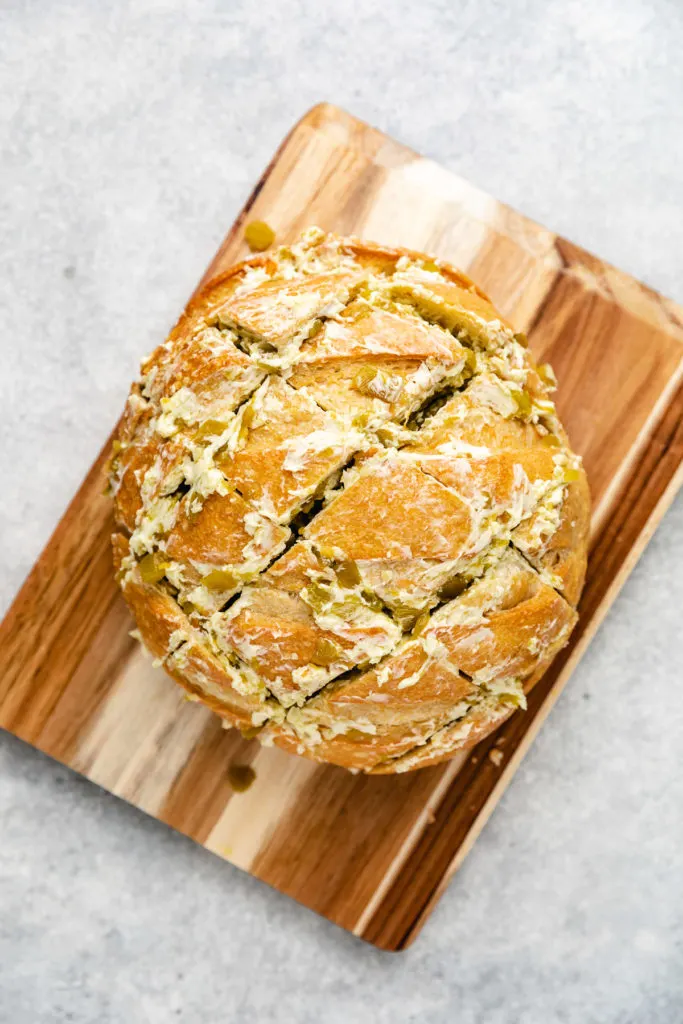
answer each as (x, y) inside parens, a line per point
(348, 518)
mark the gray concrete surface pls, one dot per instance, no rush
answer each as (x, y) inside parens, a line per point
(130, 134)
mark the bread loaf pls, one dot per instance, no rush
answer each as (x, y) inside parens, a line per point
(347, 516)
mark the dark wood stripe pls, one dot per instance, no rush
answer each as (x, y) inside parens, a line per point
(45, 634)
(110, 646)
(201, 791)
(336, 844)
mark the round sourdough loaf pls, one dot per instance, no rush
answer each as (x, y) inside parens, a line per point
(348, 518)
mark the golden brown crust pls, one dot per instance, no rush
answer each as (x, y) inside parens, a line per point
(351, 514)
(274, 468)
(392, 510)
(202, 675)
(170, 637)
(563, 554)
(383, 257)
(458, 736)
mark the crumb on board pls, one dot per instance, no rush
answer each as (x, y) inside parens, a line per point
(496, 756)
(258, 235)
(240, 777)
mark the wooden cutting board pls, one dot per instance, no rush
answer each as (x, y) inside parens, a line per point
(371, 854)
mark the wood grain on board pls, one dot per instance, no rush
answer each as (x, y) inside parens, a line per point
(370, 853)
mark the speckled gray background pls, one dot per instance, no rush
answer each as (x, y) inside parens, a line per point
(130, 134)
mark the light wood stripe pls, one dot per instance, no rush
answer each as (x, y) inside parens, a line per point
(249, 819)
(142, 737)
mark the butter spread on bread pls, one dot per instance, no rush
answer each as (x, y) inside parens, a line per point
(348, 518)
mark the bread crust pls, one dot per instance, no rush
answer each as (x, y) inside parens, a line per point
(348, 516)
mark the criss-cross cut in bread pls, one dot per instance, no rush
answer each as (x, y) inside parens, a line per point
(348, 517)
